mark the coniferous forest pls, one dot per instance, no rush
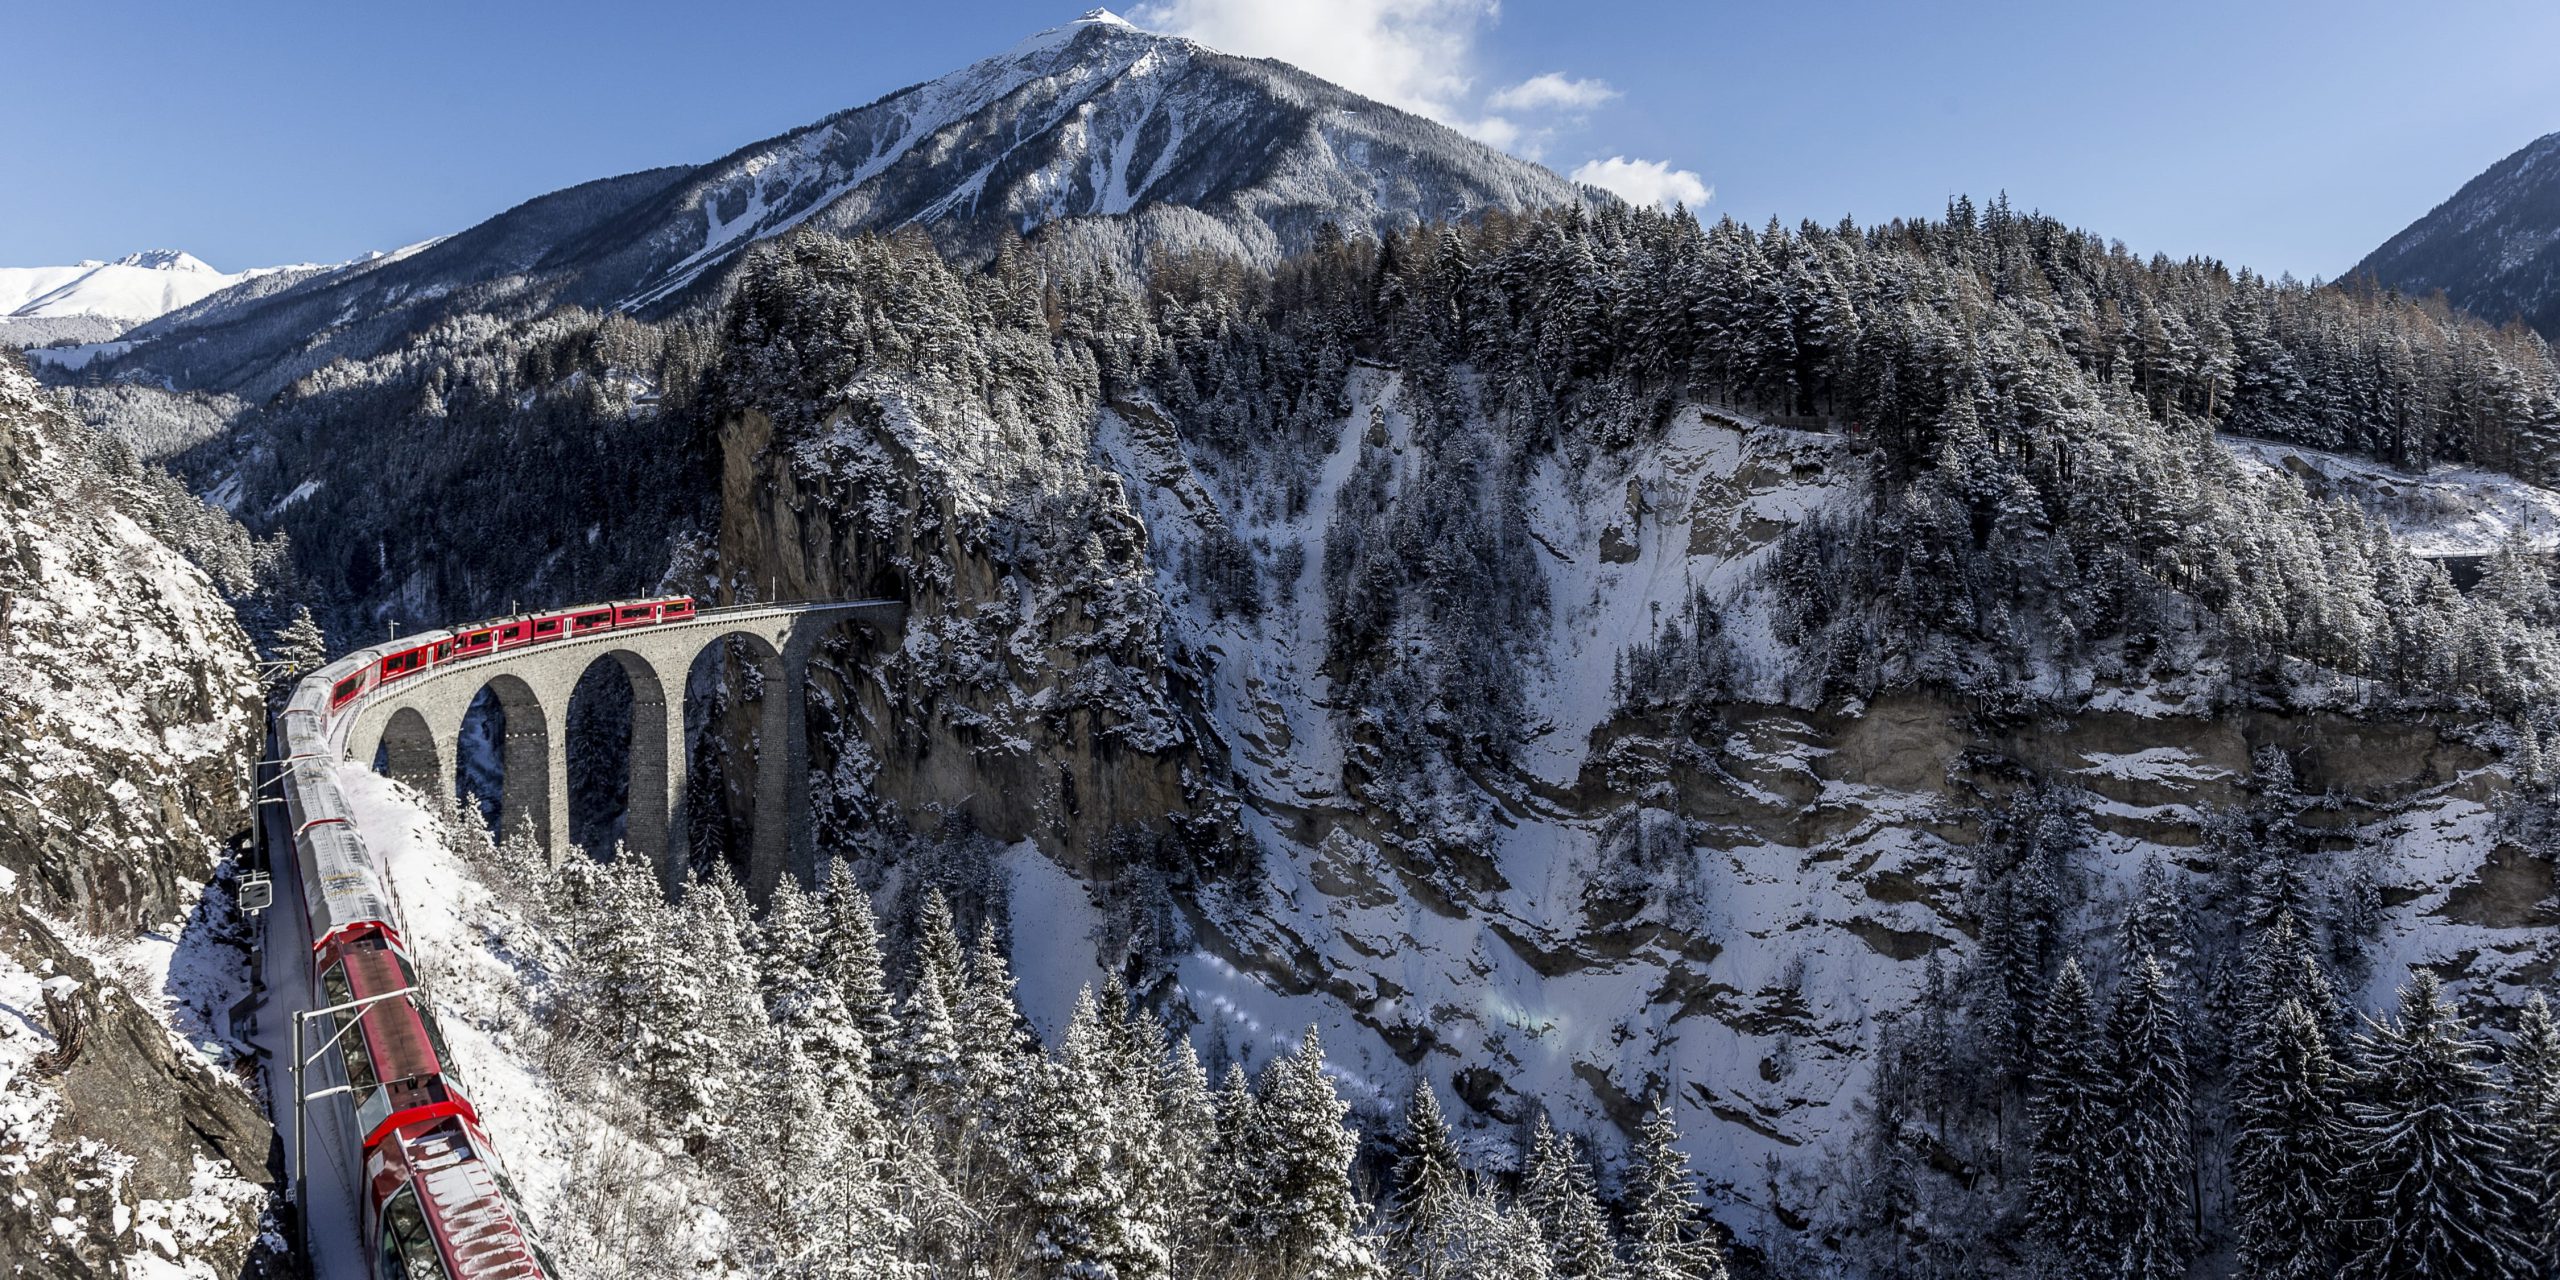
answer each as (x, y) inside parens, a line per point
(2091, 1087)
(2104, 1081)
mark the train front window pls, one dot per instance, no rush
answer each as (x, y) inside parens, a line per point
(408, 1249)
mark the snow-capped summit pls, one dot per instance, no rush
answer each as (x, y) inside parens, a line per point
(131, 289)
(1137, 140)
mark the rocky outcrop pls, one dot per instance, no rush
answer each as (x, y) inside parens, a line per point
(128, 718)
(1027, 690)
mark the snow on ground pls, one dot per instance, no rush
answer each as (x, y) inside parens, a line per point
(1509, 983)
(1054, 926)
(1695, 509)
(76, 358)
(484, 966)
(160, 1239)
(2173, 765)
(300, 492)
(2449, 511)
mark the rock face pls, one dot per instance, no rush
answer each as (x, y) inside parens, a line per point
(1727, 901)
(1027, 689)
(129, 712)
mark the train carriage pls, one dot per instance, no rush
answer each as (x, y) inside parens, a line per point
(434, 1204)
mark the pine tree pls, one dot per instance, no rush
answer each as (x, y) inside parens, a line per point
(848, 960)
(1428, 1184)
(1187, 1117)
(1082, 1225)
(2155, 921)
(994, 1043)
(2288, 1101)
(2533, 1111)
(298, 645)
(1309, 1216)
(1666, 1238)
(2150, 1150)
(2438, 1192)
(940, 960)
(2067, 1191)
(1556, 1192)
(704, 1005)
(925, 1055)
(1236, 1198)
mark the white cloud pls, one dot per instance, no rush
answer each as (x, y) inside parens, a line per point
(1652, 182)
(1413, 54)
(1405, 53)
(1552, 91)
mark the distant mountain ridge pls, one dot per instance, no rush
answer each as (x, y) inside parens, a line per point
(96, 300)
(1170, 143)
(2494, 248)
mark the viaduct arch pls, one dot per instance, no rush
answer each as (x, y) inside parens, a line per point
(416, 726)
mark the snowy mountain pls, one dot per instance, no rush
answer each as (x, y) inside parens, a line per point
(2494, 248)
(1139, 142)
(97, 300)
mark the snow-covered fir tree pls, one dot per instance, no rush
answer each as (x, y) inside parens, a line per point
(1667, 1236)
(1557, 1193)
(2149, 1146)
(2431, 1152)
(2069, 1196)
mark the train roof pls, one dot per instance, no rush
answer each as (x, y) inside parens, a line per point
(342, 885)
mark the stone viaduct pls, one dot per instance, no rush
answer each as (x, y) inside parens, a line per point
(416, 723)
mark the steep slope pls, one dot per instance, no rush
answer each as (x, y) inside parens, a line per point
(1176, 145)
(2494, 248)
(128, 715)
(1377, 660)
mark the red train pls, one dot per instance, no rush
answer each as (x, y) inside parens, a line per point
(431, 1200)
(433, 1203)
(500, 635)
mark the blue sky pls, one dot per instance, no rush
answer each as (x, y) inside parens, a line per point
(2285, 136)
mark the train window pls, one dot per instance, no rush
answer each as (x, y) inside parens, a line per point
(631, 613)
(677, 609)
(547, 627)
(444, 650)
(408, 1250)
(352, 1047)
(592, 621)
(347, 688)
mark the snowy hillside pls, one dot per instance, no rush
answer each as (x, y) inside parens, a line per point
(128, 1145)
(2449, 511)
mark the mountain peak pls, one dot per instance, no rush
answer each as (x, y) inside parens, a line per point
(164, 260)
(2494, 247)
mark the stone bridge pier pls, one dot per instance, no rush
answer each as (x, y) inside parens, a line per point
(416, 725)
